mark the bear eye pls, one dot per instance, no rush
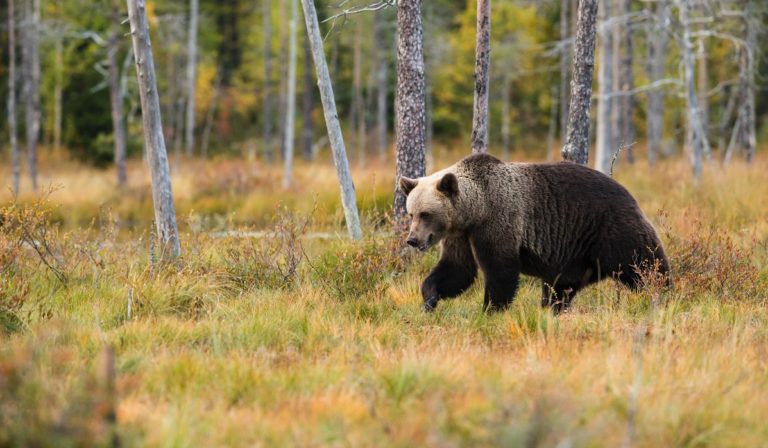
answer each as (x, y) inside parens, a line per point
(424, 215)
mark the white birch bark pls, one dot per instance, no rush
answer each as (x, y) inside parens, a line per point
(604, 147)
(348, 200)
(162, 195)
(290, 109)
(191, 77)
(116, 97)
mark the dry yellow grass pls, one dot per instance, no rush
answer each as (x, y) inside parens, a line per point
(340, 354)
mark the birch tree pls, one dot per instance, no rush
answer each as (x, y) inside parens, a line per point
(576, 147)
(482, 74)
(604, 146)
(116, 96)
(624, 105)
(189, 136)
(564, 54)
(290, 109)
(31, 68)
(699, 144)
(15, 162)
(410, 114)
(162, 195)
(335, 137)
(657, 58)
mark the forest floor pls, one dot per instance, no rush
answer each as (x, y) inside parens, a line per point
(277, 339)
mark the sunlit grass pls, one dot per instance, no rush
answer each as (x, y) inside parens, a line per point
(224, 348)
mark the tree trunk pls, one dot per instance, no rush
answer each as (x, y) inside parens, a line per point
(348, 200)
(750, 134)
(308, 103)
(699, 142)
(116, 97)
(410, 115)
(703, 86)
(381, 52)
(482, 72)
(290, 109)
(624, 133)
(657, 57)
(267, 113)
(31, 62)
(564, 55)
(189, 138)
(605, 142)
(15, 162)
(162, 195)
(576, 147)
(282, 75)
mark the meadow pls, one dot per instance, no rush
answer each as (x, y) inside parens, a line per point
(274, 329)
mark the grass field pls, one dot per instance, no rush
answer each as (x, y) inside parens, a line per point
(301, 337)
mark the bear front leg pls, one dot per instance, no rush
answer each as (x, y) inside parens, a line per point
(454, 273)
(502, 273)
(559, 297)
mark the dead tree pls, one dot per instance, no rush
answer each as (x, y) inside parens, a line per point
(357, 118)
(189, 136)
(604, 146)
(482, 75)
(657, 58)
(410, 114)
(116, 96)
(699, 143)
(335, 137)
(576, 147)
(15, 162)
(624, 105)
(564, 55)
(31, 68)
(58, 61)
(162, 195)
(290, 109)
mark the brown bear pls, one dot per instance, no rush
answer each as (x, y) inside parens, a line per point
(564, 223)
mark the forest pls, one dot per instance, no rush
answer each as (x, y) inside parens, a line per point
(203, 223)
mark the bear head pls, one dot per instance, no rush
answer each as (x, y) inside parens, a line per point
(430, 205)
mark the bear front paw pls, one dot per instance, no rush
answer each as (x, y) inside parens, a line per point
(429, 304)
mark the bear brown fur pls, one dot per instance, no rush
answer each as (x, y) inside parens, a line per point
(564, 223)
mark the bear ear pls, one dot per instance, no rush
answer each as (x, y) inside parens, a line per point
(407, 184)
(448, 185)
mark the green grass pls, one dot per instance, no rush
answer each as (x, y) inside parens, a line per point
(288, 340)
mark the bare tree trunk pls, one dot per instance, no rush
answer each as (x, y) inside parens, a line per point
(482, 72)
(564, 55)
(282, 75)
(162, 195)
(699, 141)
(506, 119)
(410, 115)
(15, 162)
(348, 200)
(381, 82)
(624, 132)
(576, 147)
(750, 52)
(290, 109)
(703, 87)
(267, 113)
(31, 60)
(116, 97)
(657, 57)
(191, 77)
(429, 107)
(605, 142)
(308, 103)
